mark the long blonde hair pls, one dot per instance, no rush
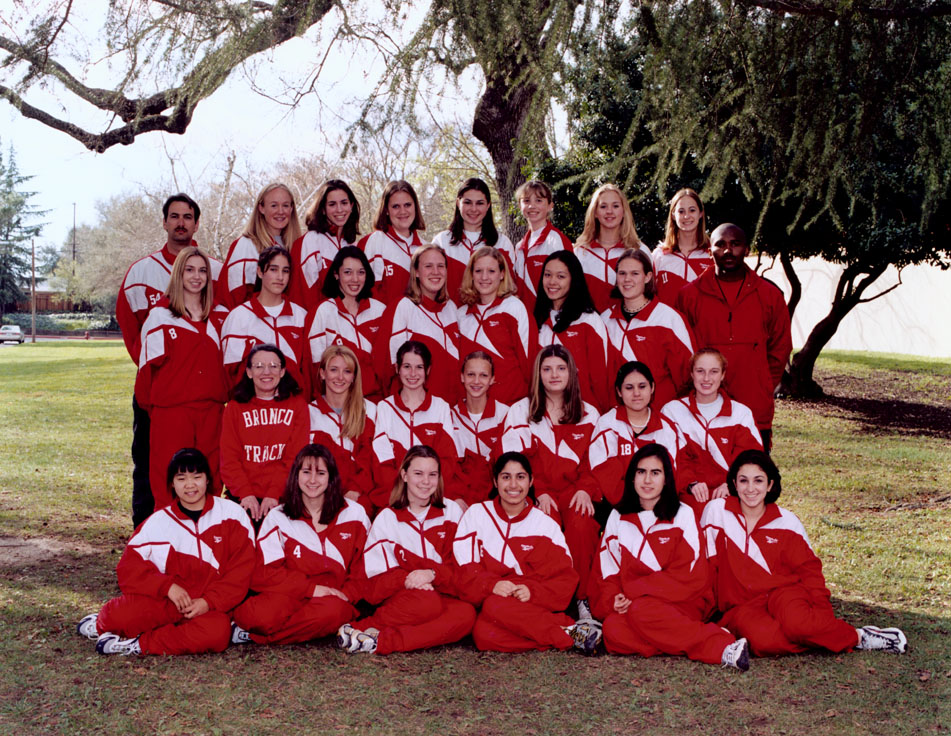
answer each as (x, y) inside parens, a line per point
(467, 292)
(256, 228)
(592, 228)
(354, 417)
(671, 229)
(176, 288)
(413, 292)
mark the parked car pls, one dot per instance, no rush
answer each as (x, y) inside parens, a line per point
(11, 333)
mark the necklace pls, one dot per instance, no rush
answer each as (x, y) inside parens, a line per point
(629, 313)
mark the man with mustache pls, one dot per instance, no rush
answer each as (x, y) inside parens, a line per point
(144, 284)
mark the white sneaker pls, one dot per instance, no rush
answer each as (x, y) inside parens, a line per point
(87, 626)
(737, 655)
(364, 642)
(584, 611)
(110, 643)
(239, 635)
(887, 640)
(345, 636)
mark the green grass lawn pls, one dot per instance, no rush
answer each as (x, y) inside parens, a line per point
(874, 494)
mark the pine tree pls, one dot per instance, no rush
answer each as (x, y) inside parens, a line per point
(16, 229)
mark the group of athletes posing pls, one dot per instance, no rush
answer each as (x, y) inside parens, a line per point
(501, 469)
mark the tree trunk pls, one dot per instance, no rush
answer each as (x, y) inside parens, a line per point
(499, 119)
(795, 285)
(798, 381)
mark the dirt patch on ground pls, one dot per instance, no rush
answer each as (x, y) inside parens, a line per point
(887, 402)
(18, 553)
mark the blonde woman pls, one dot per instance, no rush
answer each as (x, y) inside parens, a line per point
(493, 319)
(181, 381)
(608, 232)
(273, 221)
(342, 420)
(428, 315)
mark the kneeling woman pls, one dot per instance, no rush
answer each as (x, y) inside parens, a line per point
(653, 582)
(515, 563)
(182, 572)
(307, 548)
(409, 568)
(769, 582)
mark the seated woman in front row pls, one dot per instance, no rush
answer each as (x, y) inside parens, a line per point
(515, 564)
(308, 548)
(651, 577)
(768, 581)
(185, 568)
(409, 568)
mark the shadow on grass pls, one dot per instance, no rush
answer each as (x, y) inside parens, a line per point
(888, 416)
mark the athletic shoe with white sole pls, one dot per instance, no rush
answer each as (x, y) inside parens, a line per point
(239, 635)
(887, 640)
(345, 636)
(737, 655)
(87, 626)
(584, 611)
(110, 643)
(364, 642)
(585, 636)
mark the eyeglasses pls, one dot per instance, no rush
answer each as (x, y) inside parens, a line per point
(266, 366)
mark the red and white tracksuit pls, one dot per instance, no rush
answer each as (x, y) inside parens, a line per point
(657, 336)
(354, 457)
(673, 271)
(311, 256)
(293, 558)
(411, 619)
(331, 324)
(142, 288)
(600, 274)
(478, 440)
(210, 559)
(235, 283)
(769, 583)
(587, 341)
(505, 331)
(559, 457)
(614, 443)
(660, 566)
(249, 324)
(752, 331)
(530, 257)
(434, 325)
(459, 253)
(526, 549)
(389, 256)
(183, 387)
(398, 429)
(709, 448)
(259, 441)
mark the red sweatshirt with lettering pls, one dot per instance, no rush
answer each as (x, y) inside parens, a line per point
(259, 441)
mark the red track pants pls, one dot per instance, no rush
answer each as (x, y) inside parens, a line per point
(789, 620)
(272, 618)
(419, 619)
(508, 625)
(652, 626)
(161, 628)
(191, 425)
(581, 535)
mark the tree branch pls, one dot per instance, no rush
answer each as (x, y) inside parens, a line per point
(897, 11)
(146, 114)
